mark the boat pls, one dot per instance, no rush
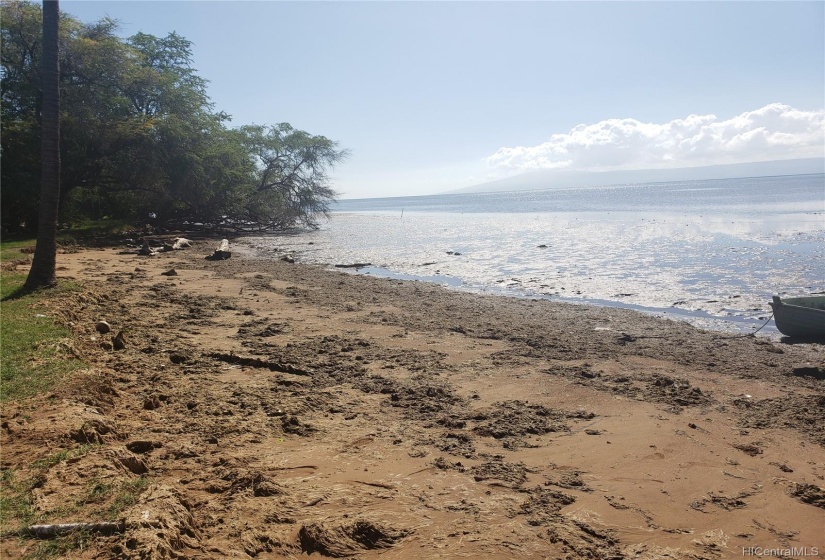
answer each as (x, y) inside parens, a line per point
(800, 317)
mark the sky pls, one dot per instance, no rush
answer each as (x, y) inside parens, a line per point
(435, 96)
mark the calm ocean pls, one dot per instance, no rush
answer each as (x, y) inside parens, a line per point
(709, 252)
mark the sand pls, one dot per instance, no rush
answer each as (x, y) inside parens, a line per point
(279, 410)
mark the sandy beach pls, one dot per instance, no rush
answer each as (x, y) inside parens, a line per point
(278, 410)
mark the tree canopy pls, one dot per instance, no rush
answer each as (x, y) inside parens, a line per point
(140, 137)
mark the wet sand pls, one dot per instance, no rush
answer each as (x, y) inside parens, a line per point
(279, 410)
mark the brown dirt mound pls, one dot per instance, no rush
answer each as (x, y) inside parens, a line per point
(580, 540)
(508, 474)
(801, 411)
(160, 526)
(517, 418)
(339, 540)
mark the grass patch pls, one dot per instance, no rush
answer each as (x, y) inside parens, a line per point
(15, 500)
(106, 226)
(63, 455)
(16, 503)
(125, 496)
(112, 497)
(33, 353)
(73, 542)
(14, 250)
(33, 345)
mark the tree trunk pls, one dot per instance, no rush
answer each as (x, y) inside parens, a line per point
(45, 255)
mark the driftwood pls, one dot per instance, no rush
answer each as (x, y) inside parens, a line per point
(222, 252)
(182, 243)
(353, 265)
(101, 527)
(165, 247)
(50, 531)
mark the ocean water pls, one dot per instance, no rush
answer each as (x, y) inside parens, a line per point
(709, 252)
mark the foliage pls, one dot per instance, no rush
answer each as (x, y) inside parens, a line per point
(291, 175)
(140, 137)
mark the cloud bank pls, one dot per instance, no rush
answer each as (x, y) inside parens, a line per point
(774, 132)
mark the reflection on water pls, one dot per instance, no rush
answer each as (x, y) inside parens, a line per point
(700, 260)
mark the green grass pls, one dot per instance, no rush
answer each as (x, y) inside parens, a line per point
(15, 494)
(101, 501)
(10, 250)
(33, 351)
(75, 541)
(106, 226)
(105, 500)
(17, 509)
(15, 500)
(63, 455)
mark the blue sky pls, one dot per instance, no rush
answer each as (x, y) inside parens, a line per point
(434, 96)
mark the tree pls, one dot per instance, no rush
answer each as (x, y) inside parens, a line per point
(140, 137)
(42, 272)
(90, 59)
(22, 33)
(292, 184)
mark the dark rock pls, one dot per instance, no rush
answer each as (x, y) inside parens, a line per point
(119, 342)
(219, 256)
(151, 403)
(178, 358)
(814, 372)
(142, 446)
(748, 449)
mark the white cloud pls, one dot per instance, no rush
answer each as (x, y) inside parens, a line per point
(774, 132)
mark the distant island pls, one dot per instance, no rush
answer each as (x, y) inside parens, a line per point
(560, 178)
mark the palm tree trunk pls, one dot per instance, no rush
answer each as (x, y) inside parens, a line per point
(45, 255)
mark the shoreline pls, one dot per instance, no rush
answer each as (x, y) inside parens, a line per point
(281, 409)
(698, 318)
